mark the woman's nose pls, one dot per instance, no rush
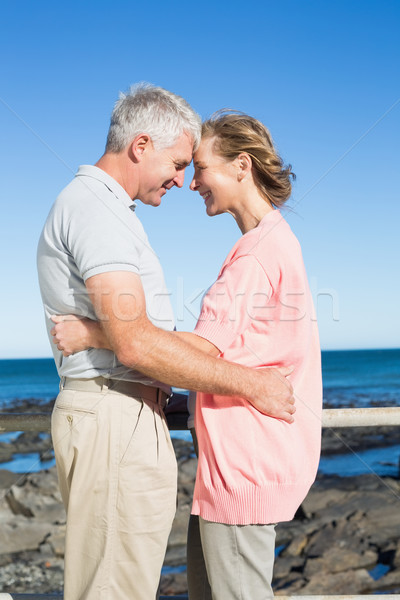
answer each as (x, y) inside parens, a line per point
(193, 185)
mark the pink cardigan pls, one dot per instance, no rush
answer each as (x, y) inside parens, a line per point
(253, 468)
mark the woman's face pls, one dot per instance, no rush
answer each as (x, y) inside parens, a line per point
(215, 179)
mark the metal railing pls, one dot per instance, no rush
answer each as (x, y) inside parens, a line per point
(336, 417)
(331, 417)
(185, 597)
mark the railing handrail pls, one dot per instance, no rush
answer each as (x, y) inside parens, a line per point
(185, 597)
(331, 417)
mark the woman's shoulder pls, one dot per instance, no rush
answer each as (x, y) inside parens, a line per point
(270, 238)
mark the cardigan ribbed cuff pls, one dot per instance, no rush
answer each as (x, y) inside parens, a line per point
(217, 332)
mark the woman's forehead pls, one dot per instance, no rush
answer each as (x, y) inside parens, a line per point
(205, 149)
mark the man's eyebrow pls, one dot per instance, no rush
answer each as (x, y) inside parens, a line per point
(183, 162)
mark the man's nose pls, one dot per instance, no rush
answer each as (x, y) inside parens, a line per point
(179, 179)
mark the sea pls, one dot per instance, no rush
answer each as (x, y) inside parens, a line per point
(351, 378)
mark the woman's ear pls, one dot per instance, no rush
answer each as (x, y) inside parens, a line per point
(139, 146)
(245, 165)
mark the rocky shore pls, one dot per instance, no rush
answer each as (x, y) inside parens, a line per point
(345, 538)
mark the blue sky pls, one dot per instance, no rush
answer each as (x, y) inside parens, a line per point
(323, 76)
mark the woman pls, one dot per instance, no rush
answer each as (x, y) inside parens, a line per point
(253, 470)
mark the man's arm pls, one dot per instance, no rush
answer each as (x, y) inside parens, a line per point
(73, 334)
(119, 302)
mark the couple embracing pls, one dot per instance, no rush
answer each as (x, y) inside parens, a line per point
(253, 359)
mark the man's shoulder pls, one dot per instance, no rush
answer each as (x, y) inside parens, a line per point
(87, 199)
(94, 206)
(82, 188)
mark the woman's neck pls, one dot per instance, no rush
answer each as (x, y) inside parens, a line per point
(251, 211)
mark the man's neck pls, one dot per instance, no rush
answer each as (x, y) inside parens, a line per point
(116, 166)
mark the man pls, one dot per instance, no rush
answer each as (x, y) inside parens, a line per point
(115, 461)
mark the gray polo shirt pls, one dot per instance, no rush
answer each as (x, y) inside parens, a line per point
(92, 229)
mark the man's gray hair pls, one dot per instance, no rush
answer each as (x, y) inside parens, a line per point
(145, 108)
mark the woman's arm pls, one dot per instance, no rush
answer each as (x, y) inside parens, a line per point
(198, 342)
(268, 390)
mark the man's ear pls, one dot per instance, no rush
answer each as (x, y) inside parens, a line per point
(139, 145)
(244, 165)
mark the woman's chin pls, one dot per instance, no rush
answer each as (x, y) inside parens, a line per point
(211, 211)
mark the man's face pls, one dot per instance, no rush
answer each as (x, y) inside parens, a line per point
(162, 169)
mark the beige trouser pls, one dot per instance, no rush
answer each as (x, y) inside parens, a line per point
(117, 474)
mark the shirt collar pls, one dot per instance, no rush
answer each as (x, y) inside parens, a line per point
(113, 186)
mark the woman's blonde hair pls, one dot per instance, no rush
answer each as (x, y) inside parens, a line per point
(236, 132)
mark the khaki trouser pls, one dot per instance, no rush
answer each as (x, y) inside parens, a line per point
(238, 561)
(117, 474)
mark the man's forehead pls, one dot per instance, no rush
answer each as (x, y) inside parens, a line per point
(182, 150)
(181, 159)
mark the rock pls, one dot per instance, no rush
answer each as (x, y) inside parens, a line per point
(289, 586)
(187, 471)
(45, 505)
(56, 540)
(338, 559)
(7, 478)
(343, 534)
(29, 441)
(381, 524)
(26, 443)
(6, 452)
(175, 556)
(285, 564)
(5, 511)
(340, 440)
(33, 577)
(29, 405)
(344, 583)
(296, 546)
(17, 506)
(318, 500)
(183, 449)
(47, 482)
(396, 557)
(176, 550)
(173, 583)
(20, 534)
(178, 533)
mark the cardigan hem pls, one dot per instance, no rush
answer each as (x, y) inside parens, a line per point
(250, 505)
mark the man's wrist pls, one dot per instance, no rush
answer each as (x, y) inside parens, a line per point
(96, 336)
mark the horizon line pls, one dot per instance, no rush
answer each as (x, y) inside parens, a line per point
(322, 350)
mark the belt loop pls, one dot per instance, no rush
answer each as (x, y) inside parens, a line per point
(162, 398)
(105, 384)
(62, 383)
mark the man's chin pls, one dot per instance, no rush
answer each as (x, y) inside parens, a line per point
(156, 200)
(153, 200)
